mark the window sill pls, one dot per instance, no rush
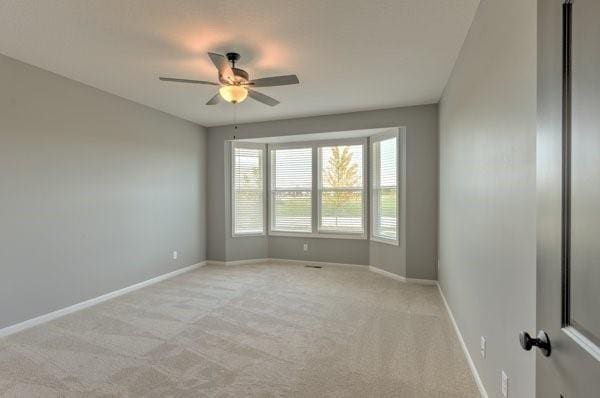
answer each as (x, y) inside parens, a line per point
(317, 236)
(385, 241)
(249, 235)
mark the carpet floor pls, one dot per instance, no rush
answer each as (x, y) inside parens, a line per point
(262, 330)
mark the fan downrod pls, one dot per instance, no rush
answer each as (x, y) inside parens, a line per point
(233, 58)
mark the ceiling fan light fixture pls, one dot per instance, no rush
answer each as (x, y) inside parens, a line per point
(233, 94)
(234, 82)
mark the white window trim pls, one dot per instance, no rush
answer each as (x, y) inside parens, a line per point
(373, 139)
(365, 184)
(293, 145)
(249, 145)
(315, 192)
(318, 235)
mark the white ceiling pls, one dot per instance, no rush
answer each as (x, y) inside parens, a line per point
(349, 55)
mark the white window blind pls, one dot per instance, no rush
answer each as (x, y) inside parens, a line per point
(291, 190)
(384, 188)
(341, 189)
(248, 199)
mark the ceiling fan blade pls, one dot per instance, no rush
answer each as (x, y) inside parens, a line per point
(260, 97)
(275, 81)
(172, 79)
(222, 65)
(214, 100)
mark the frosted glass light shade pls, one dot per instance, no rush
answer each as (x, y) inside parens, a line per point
(233, 94)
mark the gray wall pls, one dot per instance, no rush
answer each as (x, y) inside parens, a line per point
(345, 251)
(95, 192)
(420, 250)
(487, 191)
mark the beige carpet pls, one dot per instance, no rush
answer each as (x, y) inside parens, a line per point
(265, 330)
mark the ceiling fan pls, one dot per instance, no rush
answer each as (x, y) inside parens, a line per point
(235, 83)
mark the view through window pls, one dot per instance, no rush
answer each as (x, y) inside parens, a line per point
(341, 189)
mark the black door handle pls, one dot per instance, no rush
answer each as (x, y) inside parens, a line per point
(542, 342)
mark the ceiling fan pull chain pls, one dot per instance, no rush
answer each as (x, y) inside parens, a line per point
(235, 117)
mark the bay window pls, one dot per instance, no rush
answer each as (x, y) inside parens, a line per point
(318, 188)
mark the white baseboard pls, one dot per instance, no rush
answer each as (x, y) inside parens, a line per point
(430, 282)
(239, 262)
(387, 274)
(474, 371)
(401, 278)
(318, 263)
(96, 300)
(324, 264)
(249, 261)
(281, 260)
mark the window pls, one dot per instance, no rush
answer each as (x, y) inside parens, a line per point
(318, 188)
(384, 188)
(341, 189)
(291, 189)
(248, 202)
(335, 172)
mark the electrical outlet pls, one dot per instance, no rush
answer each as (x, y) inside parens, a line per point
(482, 347)
(175, 255)
(504, 384)
(305, 247)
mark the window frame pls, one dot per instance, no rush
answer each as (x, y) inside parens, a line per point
(365, 193)
(272, 169)
(248, 145)
(372, 170)
(316, 191)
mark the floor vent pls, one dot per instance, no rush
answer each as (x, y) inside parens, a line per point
(313, 266)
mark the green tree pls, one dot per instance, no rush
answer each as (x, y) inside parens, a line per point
(341, 172)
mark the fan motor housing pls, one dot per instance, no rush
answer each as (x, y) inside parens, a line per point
(240, 75)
